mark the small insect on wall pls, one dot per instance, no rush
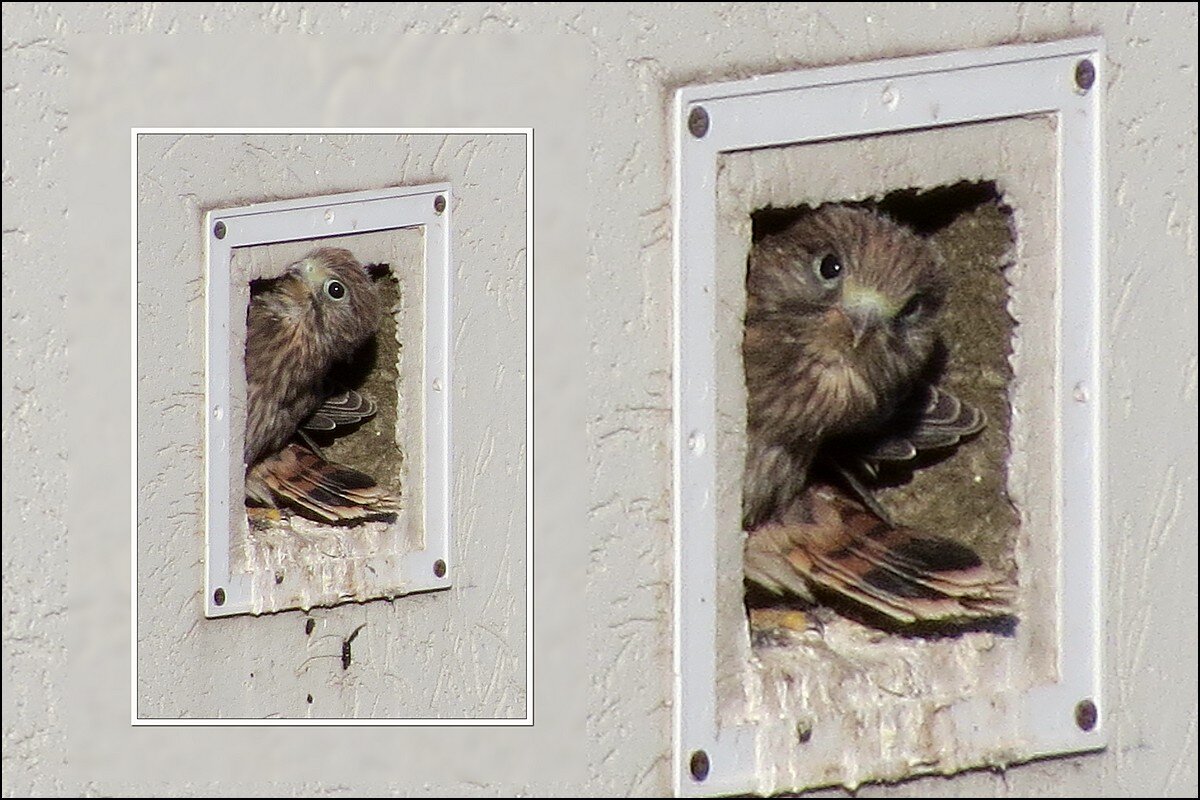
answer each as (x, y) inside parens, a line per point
(887, 532)
(328, 398)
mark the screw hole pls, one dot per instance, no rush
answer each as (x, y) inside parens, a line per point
(1085, 74)
(698, 122)
(219, 230)
(219, 597)
(439, 203)
(699, 765)
(1086, 715)
(439, 568)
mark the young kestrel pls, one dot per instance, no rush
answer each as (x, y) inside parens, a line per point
(298, 327)
(839, 335)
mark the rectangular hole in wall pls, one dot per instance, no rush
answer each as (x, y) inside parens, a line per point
(942, 478)
(293, 555)
(956, 493)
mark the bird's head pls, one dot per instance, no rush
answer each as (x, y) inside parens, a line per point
(854, 273)
(849, 289)
(338, 295)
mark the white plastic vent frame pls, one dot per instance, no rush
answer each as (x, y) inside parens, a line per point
(310, 218)
(843, 102)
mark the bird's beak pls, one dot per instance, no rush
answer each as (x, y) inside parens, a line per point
(860, 324)
(865, 309)
(308, 272)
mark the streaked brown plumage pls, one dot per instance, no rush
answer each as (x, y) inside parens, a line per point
(832, 543)
(839, 333)
(299, 325)
(320, 489)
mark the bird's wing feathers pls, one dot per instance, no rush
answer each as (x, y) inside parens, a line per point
(323, 490)
(933, 420)
(833, 543)
(347, 408)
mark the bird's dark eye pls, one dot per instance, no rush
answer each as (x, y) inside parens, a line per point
(829, 268)
(913, 308)
(335, 289)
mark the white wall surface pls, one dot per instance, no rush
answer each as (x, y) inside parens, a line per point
(595, 83)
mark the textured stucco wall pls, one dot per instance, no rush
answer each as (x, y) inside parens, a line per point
(595, 83)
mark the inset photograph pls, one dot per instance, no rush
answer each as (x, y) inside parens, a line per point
(332, 487)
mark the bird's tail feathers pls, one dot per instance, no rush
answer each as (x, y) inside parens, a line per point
(323, 490)
(837, 545)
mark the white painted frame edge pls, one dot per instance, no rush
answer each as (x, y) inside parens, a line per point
(937, 90)
(304, 218)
